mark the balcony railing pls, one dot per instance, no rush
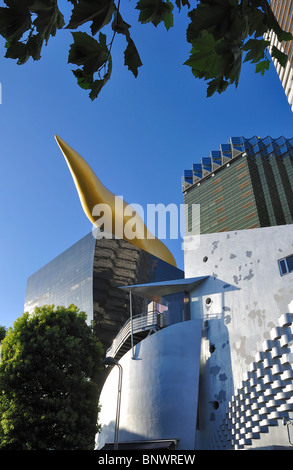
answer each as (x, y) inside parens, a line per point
(142, 325)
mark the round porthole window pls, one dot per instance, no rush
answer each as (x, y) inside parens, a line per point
(205, 258)
(208, 301)
(212, 348)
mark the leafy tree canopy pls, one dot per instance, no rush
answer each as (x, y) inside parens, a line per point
(3, 331)
(222, 34)
(48, 393)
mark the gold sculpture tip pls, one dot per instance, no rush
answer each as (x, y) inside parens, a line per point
(91, 192)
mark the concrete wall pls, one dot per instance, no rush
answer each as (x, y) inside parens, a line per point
(159, 389)
(246, 300)
(233, 358)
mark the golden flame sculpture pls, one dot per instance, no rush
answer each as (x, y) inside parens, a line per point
(92, 193)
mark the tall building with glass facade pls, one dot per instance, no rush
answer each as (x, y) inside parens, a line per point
(89, 274)
(283, 11)
(247, 183)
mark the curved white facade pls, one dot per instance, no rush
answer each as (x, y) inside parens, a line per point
(159, 389)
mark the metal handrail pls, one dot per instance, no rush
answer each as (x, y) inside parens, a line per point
(147, 321)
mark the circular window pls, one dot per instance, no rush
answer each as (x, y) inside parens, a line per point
(212, 348)
(208, 301)
(205, 259)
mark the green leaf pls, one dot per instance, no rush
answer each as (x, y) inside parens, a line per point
(168, 18)
(86, 51)
(84, 80)
(34, 45)
(99, 13)
(93, 56)
(281, 57)
(96, 88)
(218, 84)
(131, 55)
(262, 66)
(272, 23)
(17, 50)
(23, 51)
(119, 25)
(131, 58)
(208, 18)
(285, 36)
(153, 11)
(49, 18)
(235, 67)
(15, 20)
(239, 26)
(256, 23)
(205, 59)
(256, 49)
(87, 82)
(217, 31)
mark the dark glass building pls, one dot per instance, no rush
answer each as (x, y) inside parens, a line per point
(247, 183)
(89, 274)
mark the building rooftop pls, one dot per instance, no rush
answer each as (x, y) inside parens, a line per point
(227, 153)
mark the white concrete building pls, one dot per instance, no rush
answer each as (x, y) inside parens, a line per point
(220, 375)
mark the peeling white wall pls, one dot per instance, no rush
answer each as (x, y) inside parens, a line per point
(248, 296)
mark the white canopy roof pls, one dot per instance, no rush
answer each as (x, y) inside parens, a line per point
(155, 290)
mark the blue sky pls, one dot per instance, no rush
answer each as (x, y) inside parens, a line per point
(138, 136)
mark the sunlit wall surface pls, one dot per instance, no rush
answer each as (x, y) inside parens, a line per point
(283, 11)
(246, 305)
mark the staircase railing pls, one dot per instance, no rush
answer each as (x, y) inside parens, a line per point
(153, 320)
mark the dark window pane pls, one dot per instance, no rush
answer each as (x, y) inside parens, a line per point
(290, 263)
(282, 266)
